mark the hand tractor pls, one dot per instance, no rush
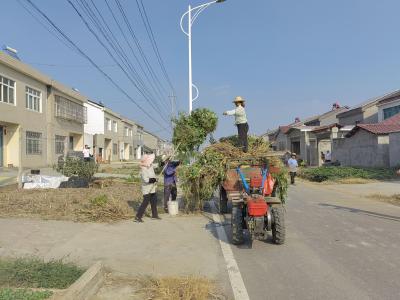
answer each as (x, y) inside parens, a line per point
(255, 207)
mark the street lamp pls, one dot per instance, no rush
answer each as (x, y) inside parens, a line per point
(196, 11)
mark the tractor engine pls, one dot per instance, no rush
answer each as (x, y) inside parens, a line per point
(258, 218)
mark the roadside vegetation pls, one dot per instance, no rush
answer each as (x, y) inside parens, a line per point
(128, 169)
(19, 276)
(106, 200)
(392, 199)
(23, 294)
(347, 174)
(183, 288)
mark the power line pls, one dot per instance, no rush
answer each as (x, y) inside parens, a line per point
(117, 48)
(150, 34)
(135, 83)
(157, 91)
(132, 33)
(45, 27)
(82, 53)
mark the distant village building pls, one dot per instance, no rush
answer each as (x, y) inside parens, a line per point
(42, 120)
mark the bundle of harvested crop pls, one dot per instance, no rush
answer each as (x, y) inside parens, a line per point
(200, 179)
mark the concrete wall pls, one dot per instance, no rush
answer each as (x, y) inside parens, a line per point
(363, 149)
(62, 127)
(281, 142)
(150, 141)
(17, 116)
(351, 119)
(112, 135)
(95, 116)
(394, 149)
(370, 115)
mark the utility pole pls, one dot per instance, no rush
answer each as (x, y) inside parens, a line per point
(173, 106)
(191, 18)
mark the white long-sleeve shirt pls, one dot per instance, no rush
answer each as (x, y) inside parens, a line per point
(239, 113)
(146, 174)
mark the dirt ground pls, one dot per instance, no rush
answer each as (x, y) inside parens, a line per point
(111, 200)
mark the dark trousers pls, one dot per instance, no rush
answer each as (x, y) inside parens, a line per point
(169, 190)
(152, 198)
(243, 129)
(292, 176)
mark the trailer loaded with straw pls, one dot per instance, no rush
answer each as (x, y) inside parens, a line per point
(252, 186)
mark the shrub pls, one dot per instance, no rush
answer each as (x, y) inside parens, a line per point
(191, 130)
(334, 173)
(73, 166)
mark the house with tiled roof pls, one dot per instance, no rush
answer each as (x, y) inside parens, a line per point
(370, 145)
(371, 111)
(314, 135)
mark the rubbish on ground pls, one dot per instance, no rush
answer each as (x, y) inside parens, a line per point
(42, 181)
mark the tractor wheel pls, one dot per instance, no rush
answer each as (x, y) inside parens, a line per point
(278, 225)
(237, 224)
(223, 201)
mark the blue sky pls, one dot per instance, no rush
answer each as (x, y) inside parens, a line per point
(288, 58)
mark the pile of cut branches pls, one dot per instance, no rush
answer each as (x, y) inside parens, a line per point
(200, 179)
(208, 169)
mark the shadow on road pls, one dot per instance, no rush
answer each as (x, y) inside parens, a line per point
(363, 212)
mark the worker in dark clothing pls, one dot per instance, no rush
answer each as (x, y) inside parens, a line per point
(170, 180)
(240, 121)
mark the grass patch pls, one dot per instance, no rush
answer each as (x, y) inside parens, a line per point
(182, 288)
(392, 199)
(23, 294)
(321, 174)
(124, 170)
(35, 273)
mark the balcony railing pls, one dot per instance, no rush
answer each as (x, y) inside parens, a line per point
(69, 110)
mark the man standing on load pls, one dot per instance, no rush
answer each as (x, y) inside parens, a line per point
(240, 121)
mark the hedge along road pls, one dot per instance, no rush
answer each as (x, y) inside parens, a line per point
(338, 246)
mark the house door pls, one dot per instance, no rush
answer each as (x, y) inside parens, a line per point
(71, 143)
(1, 146)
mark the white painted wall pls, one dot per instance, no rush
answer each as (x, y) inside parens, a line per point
(95, 119)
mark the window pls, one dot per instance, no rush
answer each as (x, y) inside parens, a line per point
(115, 126)
(115, 149)
(108, 121)
(60, 144)
(32, 99)
(130, 150)
(130, 132)
(33, 143)
(7, 90)
(126, 131)
(70, 110)
(390, 112)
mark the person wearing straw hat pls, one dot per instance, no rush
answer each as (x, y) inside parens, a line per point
(240, 121)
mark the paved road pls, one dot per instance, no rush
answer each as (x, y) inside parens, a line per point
(339, 246)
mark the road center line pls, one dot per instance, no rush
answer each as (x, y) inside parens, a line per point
(238, 287)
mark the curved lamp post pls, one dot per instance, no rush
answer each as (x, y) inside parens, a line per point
(195, 11)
